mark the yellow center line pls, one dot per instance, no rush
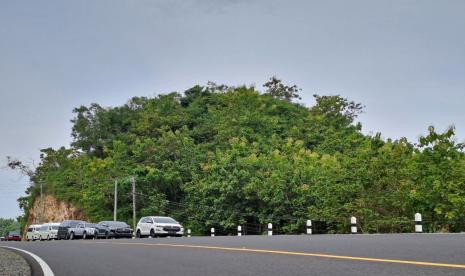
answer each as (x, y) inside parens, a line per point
(308, 254)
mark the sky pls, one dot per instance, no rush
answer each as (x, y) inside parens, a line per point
(403, 59)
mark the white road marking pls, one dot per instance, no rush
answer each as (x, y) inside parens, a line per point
(43, 265)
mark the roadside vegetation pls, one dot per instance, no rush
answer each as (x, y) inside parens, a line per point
(222, 156)
(8, 225)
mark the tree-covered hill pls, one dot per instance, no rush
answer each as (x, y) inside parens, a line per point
(222, 156)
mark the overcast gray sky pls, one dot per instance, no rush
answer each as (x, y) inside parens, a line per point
(404, 60)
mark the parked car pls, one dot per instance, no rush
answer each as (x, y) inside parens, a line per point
(2, 238)
(63, 229)
(113, 229)
(158, 226)
(82, 230)
(48, 231)
(33, 232)
(13, 236)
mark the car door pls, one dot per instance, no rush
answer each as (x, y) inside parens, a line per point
(49, 230)
(35, 233)
(99, 229)
(150, 225)
(143, 226)
(43, 232)
(103, 227)
(82, 228)
(77, 229)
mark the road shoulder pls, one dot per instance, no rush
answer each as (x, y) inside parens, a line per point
(13, 263)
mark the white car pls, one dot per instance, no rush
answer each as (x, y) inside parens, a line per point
(158, 226)
(48, 231)
(33, 232)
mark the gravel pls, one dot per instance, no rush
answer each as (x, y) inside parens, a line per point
(13, 264)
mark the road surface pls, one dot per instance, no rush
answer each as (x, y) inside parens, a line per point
(390, 254)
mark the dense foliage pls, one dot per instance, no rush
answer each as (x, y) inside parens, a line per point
(222, 156)
(8, 225)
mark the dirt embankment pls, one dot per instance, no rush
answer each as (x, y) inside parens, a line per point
(52, 210)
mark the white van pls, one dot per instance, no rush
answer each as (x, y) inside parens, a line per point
(33, 232)
(48, 231)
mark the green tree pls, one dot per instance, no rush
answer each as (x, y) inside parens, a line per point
(219, 156)
(276, 89)
(439, 193)
(7, 225)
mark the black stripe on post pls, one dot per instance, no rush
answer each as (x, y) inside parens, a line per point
(353, 225)
(309, 227)
(418, 223)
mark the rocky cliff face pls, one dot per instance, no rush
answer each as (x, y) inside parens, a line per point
(52, 210)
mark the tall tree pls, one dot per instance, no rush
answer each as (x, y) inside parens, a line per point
(276, 89)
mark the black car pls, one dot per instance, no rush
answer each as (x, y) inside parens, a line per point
(63, 229)
(113, 229)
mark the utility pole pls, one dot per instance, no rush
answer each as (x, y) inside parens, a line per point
(115, 205)
(43, 203)
(133, 180)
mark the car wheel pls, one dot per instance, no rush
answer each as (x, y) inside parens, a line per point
(138, 235)
(48, 238)
(71, 235)
(152, 233)
(84, 235)
(107, 235)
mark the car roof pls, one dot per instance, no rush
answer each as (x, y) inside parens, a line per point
(160, 217)
(51, 224)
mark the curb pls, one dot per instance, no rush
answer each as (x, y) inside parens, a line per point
(36, 267)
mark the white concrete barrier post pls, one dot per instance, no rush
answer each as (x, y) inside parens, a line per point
(212, 231)
(239, 230)
(353, 225)
(188, 233)
(270, 229)
(418, 223)
(309, 227)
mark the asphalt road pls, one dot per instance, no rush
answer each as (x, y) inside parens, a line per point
(392, 254)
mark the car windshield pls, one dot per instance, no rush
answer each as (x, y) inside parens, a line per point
(73, 224)
(91, 225)
(116, 224)
(165, 220)
(55, 227)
